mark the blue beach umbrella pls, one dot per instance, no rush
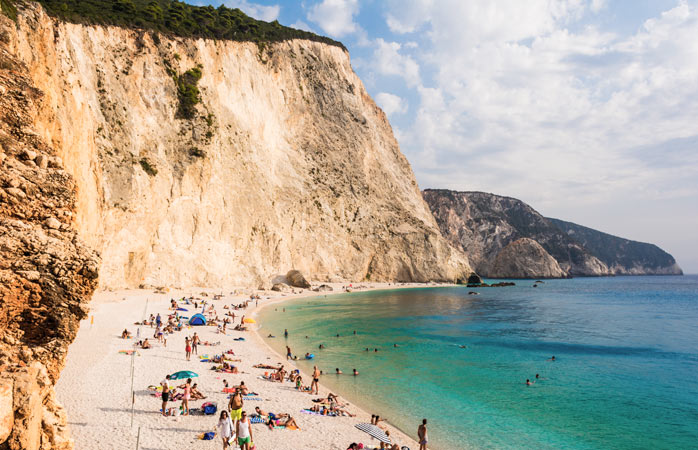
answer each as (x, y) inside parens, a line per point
(183, 374)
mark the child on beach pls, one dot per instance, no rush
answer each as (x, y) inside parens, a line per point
(187, 348)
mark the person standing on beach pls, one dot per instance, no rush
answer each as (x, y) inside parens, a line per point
(285, 333)
(186, 387)
(195, 343)
(187, 347)
(244, 432)
(225, 428)
(288, 353)
(235, 406)
(316, 379)
(165, 394)
(422, 434)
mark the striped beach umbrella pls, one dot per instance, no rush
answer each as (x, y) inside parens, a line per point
(374, 432)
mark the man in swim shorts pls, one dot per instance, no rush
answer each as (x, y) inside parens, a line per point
(316, 380)
(165, 394)
(422, 434)
(235, 406)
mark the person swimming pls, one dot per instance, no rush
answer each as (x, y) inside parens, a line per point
(528, 382)
(356, 372)
(552, 358)
(321, 346)
(337, 371)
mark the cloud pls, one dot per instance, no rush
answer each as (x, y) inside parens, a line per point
(300, 25)
(259, 12)
(335, 17)
(534, 100)
(387, 60)
(391, 104)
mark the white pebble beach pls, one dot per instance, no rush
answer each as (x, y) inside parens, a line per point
(95, 385)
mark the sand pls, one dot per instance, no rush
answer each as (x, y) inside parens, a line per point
(95, 386)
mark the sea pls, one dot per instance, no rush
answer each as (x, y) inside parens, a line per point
(625, 373)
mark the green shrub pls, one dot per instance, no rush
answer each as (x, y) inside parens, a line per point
(188, 92)
(174, 17)
(8, 8)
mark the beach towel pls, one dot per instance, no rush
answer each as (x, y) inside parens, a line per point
(209, 408)
(208, 436)
(129, 352)
(257, 419)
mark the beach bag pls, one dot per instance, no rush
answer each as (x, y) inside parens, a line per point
(209, 408)
(209, 436)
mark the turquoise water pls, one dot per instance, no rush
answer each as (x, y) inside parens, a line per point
(625, 375)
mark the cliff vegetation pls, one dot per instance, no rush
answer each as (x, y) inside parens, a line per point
(177, 18)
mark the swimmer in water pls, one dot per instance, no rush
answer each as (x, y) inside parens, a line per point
(356, 372)
(337, 371)
(551, 359)
(528, 382)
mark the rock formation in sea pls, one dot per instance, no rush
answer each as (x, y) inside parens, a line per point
(485, 225)
(47, 274)
(622, 256)
(214, 162)
(482, 224)
(525, 258)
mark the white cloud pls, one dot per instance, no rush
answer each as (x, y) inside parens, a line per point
(521, 105)
(391, 104)
(387, 60)
(300, 25)
(335, 17)
(259, 12)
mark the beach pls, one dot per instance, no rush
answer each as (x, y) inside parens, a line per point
(95, 385)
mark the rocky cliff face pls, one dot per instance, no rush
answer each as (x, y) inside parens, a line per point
(286, 162)
(525, 258)
(482, 224)
(622, 256)
(47, 275)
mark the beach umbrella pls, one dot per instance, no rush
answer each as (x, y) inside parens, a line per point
(374, 431)
(249, 320)
(183, 374)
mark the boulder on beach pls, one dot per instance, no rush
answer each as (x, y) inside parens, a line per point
(281, 287)
(296, 279)
(323, 288)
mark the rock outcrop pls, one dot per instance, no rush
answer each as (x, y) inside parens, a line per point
(296, 279)
(525, 258)
(482, 224)
(47, 275)
(622, 256)
(285, 162)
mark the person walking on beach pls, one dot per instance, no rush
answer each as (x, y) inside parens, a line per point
(195, 343)
(225, 428)
(285, 333)
(244, 432)
(316, 379)
(165, 394)
(187, 347)
(235, 406)
(288, 353)
(422, 434)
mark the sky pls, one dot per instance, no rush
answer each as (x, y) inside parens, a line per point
(587, 110)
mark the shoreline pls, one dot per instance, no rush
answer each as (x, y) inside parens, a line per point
(360, 405)
(95, 384)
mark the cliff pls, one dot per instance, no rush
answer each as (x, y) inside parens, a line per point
(525, 258)
(47, 275)
(212, 163)
(622, 256)
(482, 224)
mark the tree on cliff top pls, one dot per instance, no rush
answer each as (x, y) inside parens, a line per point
(178, 18)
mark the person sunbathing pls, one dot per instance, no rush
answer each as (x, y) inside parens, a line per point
(145, 344)
(196, 394)
(125, 334)
(266, 366)
(287, 422)
(243, 389)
